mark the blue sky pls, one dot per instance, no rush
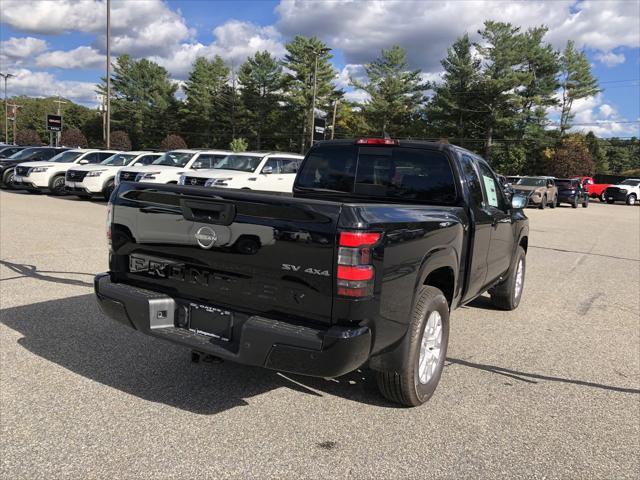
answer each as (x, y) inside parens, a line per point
(58, 46)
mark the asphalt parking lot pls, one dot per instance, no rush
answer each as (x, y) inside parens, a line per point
(550, 390)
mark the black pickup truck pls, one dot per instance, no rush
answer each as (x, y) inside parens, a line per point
(362, 265)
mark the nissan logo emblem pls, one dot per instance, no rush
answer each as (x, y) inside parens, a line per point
(194, 181)
(206, 237)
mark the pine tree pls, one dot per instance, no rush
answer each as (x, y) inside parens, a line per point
(304, 54)
(576, 82)
(396, 93)
(502, 50)
(206, 103)
(144, 103)
(260, 79)
(452, 111)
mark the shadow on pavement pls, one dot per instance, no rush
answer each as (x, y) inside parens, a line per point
(32, 271)
(74, 334)
(532, 377)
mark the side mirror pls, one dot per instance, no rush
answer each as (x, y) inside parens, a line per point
(518, 201)
(83, 162)
(267, 170)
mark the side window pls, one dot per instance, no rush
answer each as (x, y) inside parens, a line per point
(471, 177)
(491, 186)
(146, 159)
(289, 165)
(104, 155)
(46, 154)
(273, 163)
(204, 161)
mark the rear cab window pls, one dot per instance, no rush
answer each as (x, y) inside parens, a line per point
(385, 172)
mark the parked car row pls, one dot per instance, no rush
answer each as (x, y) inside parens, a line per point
(90, 172)
(550, 192)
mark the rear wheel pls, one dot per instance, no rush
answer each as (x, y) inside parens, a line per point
(57, 185)
(574, 203)
(585, 202)
(631, 199)
(108, 189)
(507, 294)
(554, 202)
(428, 336)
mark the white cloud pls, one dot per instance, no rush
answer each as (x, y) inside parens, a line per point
(348, 72)
(44, 84)
(17, 51)
(81, 57)
(234, 42)
(138, 28)
(592, 114)
(610, 59)
(426, 29)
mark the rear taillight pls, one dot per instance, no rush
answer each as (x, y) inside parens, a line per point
(355, 274)
(109, 220)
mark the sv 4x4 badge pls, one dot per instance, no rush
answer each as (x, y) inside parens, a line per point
(311, 271)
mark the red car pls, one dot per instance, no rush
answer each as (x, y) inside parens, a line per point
(596, 190)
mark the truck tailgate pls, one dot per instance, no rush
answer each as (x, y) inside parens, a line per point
(257, 253)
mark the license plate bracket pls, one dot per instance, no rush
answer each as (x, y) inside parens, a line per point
(210, 321)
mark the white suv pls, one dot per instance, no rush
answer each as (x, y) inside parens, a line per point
(49, 176)
(169, 167)
(271, 172)
(88, 180)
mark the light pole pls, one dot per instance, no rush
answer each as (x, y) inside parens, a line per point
(6, 107)
(316, 53)
(108, 122)
(59, 133)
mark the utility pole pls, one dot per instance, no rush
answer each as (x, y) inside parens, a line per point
(15, 108)
(333, 123)
(59, 133)
(108, 122)
(316, 53)
(6, 108)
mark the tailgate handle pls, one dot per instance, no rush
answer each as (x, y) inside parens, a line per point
(208, 212)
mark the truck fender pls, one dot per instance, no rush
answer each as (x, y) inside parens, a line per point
(391, 358)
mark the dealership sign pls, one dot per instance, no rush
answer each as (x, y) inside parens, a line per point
(54, 123)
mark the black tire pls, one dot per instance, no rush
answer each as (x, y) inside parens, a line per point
(543, 203)
(7, 179)
(574, 204)
(602, 197)
(631, 199)
(585, 202)
(554, 202)
(404, 386)
(108, 189)
(56, 186)
(504, 295)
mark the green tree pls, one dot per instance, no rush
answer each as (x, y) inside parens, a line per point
(206, 104)
(395, 93)
(261, 80)
(303, 55)
(453, 110)
(576, 82)
(502, 50)
(601, 165)
(144, 103)
(238, 145)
